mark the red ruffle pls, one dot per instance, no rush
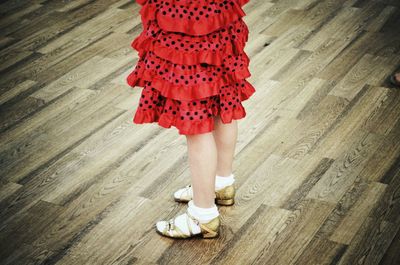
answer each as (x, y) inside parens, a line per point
(152, 37)
(190, 127)
(141, 2)
(140, 75)
(170, 90)
(200, 27)
(149, 11)
(241, 2)
(166, 121)
(246, 91)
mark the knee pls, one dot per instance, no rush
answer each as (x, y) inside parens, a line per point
(199, 136)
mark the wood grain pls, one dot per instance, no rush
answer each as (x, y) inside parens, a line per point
(317, 161)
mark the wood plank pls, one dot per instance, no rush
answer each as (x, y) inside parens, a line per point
(17, 90)
(372, 239)
(284, 21)
(352, 121)
(377, 23)
(365, 42)
(6, 41)
(28, 227)
(349, 225)
(236, 251)
(344, 170)
(13, 58)
(86, 32)
(387, 115)
(298, 233)
(9, 19)
(84, 76)
(110, 235)
(7, 189)
(315, 126)
(388, 207)
(372, 70)
(304, 188)
(382, 160)
(66, 127)
(84, 208)
(328, 252)
(66, 179)
(18, 111)
(392, 255)
(348, 23)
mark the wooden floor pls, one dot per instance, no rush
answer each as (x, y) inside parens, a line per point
(317, 161)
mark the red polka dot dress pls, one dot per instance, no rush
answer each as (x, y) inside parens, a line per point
(191, 66)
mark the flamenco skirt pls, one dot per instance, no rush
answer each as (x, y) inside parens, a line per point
(192, 65)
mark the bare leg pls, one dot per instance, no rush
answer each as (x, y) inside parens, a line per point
(397, 76)
(202, 153)
(225, 136)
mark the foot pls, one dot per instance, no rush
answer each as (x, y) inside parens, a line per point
(186, 226)
(224, 196)
(395, 79)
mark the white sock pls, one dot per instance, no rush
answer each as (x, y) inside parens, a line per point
(222, 182)
(204, 215)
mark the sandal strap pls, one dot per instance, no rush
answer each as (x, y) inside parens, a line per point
(203, 227)
(186, 191)
(197, 222)
(189, 226)
(172, 227)
(212, 232)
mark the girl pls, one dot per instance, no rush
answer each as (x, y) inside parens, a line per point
(193, 69)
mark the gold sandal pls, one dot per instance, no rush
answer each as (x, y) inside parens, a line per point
(224, 196)
(208, 230)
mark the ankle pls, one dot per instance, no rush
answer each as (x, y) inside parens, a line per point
(223, 181)
(204, 215)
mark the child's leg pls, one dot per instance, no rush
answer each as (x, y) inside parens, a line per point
(202, 153)
(225, 136)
